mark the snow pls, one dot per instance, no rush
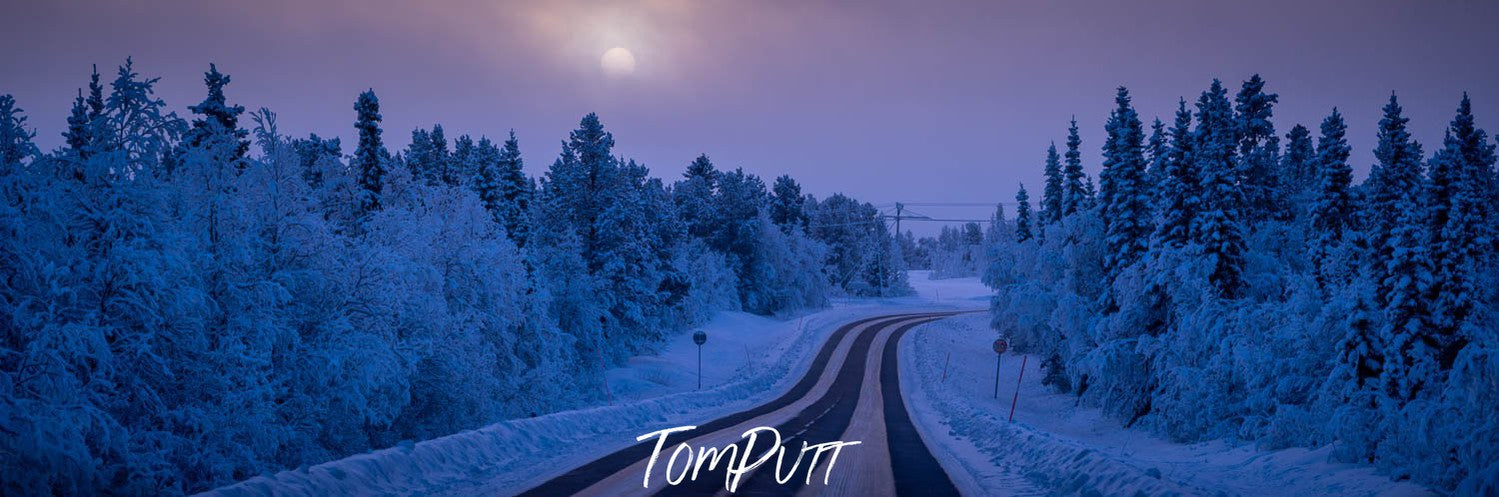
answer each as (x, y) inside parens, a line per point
(1054, 446)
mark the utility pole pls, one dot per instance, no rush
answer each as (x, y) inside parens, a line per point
(898, 207)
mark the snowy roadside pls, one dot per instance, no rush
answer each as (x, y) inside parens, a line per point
(1055, 447)
(747, 360)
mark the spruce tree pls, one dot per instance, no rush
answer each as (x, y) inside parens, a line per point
(1459, 202)
(1075, 195)
(1022, 215)
(15, 141)
(220, 121)
(1392, 188)
(1125, 194)
(693, 196)
(1157, 150)
(516, 190)
(1181, 191)
(1332, 208)
(370, 155)
(787, 205)
(1051, 195)
(1258, 152)
(1217, 226)
(1298, 165)
(486, 181)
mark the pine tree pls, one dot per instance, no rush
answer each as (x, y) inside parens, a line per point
(1459, 202)
(15, 141)
(1181, 191)
(1258, 150)
(220, 122)
(787, 205)
(516, 190)
(370, 155)
(1022, 215)
(1051, 195)
(1124, 190)
(1298, 165)
(1217, 227)
(693, 196)
(1075, 195)
(1157, 151)
(1393, 180)
(1409, 361)
(1332, 209)
(486, 182)
(442, 165)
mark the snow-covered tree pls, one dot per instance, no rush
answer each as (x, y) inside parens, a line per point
(1125, 192)
(1075, 195)
(220, 121)
(1332, 208)
(1022, 215)
(1459, 199)
(787, 204)
(1298, 165)
(370, 156)
(16, 146)
(1181, 192)
(1258, 150)
(1217, 226)
(1051, 196)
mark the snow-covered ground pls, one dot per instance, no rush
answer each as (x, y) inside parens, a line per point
(1055, 447)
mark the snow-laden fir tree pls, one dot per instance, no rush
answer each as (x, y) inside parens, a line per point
(1459, 197)
(1022, 215)
(220, 121)
(1217, 227)
(516, 191)
(1157, 149)
(1125, 192)
(693, 195)
(787, 205)
(1258, 150)
(1180, 189)
(15, 140)
(1075, 195)
(1051, 195)
(1331, 210)
(1393, 179)
(1298, 165)
(370, 156)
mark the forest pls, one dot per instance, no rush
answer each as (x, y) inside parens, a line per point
(191, 301)
(1221, 283)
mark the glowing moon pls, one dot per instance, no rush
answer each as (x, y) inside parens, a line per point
(618, 62)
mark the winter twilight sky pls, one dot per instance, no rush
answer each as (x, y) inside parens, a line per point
(887, 101)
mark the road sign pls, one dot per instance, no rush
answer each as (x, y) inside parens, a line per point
(699, 337)
(1001, 345)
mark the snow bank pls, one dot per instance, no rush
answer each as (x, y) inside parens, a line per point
(1056, 447)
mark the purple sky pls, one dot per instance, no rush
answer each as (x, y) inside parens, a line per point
(888, 101)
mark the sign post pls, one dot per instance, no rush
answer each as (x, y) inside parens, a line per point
(1000, 346)
(699, 338)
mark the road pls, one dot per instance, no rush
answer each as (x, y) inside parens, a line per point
(850, 392)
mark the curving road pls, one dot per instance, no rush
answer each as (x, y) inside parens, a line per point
(851, 392)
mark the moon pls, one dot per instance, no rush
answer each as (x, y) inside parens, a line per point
(618, 62)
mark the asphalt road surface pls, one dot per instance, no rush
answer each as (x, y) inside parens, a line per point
(851, 392)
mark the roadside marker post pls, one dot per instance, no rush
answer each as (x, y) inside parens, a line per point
(1017, 388)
